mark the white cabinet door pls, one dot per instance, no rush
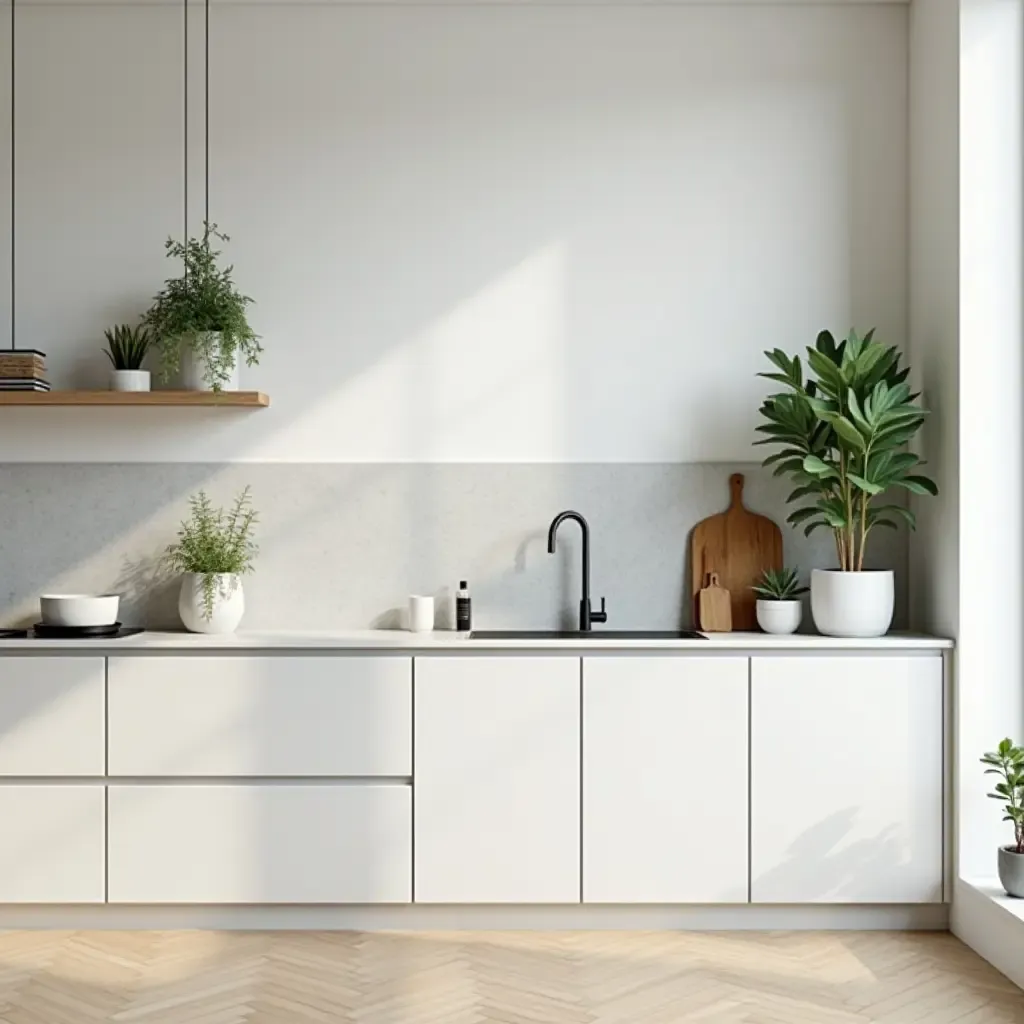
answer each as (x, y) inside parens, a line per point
(52, 850)
(665, 779)
(260, 844)
(846, 780)
(497, 780)
(51, 716)
(270, 716)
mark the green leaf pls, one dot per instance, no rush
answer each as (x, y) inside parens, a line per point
(816, 467)
(848, 432)
(918, 485)
(863, 484)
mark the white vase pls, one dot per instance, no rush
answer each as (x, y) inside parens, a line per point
(228, 603)
(779, 616)
(129, 380)
(853, 604)
(193, 369)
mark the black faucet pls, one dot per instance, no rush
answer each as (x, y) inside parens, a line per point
(586, 615)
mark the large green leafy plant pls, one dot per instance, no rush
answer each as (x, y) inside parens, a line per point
(214, 542)
(842, 434)
(203, 309)
(1007, 761)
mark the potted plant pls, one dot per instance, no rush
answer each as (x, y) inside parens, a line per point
(199, 319)
(126, 349)
(1007, 761)
(779, 608)
(842, 436)
(215, 548)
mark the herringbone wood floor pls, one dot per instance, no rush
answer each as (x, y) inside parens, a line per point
(498, 978)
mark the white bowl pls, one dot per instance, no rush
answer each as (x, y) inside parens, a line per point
(78, 609)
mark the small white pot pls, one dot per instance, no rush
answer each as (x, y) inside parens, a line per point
(193, 370)
(854, 604)
(779, 616)
(129, 380)
(228, 603)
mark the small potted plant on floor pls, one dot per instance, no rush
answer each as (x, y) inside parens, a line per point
(779, 608)
(842, 435)
(126, 349)
(199, 320)
(215, 548)
(1007, 761)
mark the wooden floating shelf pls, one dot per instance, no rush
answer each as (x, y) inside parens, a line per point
(205, 399)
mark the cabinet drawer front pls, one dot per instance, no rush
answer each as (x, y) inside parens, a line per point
(53, 844)
(228, 716)
(260, 844)
(51, 716)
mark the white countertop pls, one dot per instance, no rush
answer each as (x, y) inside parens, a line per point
(399, 640)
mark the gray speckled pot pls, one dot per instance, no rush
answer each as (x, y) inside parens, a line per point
(1011, 871)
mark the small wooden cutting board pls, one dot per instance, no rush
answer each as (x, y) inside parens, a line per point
(737, 545)
(714, 609)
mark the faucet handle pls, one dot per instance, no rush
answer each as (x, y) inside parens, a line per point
(601, 616)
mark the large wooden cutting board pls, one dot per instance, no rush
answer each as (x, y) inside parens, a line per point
(738, 545)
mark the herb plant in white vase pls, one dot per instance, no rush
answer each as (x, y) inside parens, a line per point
(1007, 761)
(779, 608)
(214, 549)
(842, 435)
(199, 319)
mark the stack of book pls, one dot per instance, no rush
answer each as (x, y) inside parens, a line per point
(23, 369)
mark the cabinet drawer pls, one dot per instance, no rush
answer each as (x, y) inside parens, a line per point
(53, 844)
(260, 844)
(51, 716)
(228, 716)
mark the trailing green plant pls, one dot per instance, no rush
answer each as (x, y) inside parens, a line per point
(779, 585)
(842, 436)
(214, 542)
(127, 346)
(203, 310)
(1007, 761)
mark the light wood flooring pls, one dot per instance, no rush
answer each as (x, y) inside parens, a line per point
(499, 977)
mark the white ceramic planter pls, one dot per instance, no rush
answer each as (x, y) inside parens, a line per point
(779, 616)
(193, 370)
(1011, 871)
(853, 604)
(228, 603)
(129, 380)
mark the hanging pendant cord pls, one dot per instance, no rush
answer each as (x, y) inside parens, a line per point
(206, 117)
(13, 205)
(184, 7)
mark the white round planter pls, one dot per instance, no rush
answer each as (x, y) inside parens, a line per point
(129, 380)
(852, 603)
(193, 371)
(779, 616)
(228, 603)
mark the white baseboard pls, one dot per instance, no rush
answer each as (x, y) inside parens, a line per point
(992, 924)
(484, 918)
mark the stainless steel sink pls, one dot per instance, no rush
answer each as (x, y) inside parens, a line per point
(593, 634)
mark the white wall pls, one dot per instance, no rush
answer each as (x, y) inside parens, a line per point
(477, 232)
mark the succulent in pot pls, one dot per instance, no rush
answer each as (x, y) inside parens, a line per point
(126, 349)
(779, 608)
(842, 434)
(200, 319)
(1007, 762)
(214, 549)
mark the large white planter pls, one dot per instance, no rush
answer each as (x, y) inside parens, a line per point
(852, 603)
(193, 370)
(228, 603)
(779, 616)
(129, 380)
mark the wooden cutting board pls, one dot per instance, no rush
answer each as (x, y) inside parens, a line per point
(714, 613)
(738, 545)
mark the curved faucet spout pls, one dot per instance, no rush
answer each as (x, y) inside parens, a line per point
(586, 615)
(557, 522)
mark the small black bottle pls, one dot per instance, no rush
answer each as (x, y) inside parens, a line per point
(463, 608)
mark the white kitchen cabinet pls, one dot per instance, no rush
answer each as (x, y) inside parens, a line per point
(260, 844)
(847, 779)
(52, 850)
(260, 716)
(497, 780)
(665, 779)
(51, 716)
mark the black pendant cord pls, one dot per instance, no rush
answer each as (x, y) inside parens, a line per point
(13, 171)
(184, 7)
(206, 117)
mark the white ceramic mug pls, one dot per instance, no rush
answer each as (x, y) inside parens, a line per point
(421, 613)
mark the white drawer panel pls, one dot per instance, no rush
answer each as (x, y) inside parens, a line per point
(52, 850)
(260, 844)
(230, 716)
(51, 716)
